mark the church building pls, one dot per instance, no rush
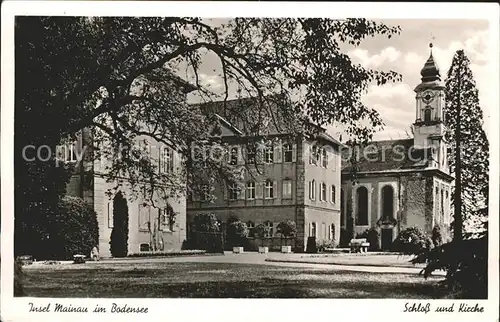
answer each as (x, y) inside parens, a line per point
(394, 184)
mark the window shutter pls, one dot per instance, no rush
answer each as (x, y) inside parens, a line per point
(224, 192)
(110, 214)
(241, 153)
(259, 154)
(275, 189)
(174, 161)
(294, 152)
(241, 192)
(277, 155)
(259, 190)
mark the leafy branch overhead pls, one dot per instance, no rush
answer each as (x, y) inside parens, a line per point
(117, 77)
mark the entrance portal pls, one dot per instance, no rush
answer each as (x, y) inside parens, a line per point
(386, 236)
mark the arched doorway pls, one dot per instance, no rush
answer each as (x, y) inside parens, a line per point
(119, 234)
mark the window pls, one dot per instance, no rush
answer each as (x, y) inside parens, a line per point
(168, 160)
(333, 194)
(312, 190)
(269, 193)
(167, 219)
(250, 153)
(362, 202)
(233, 192)
(234, 156)
(313, 229)
(342, 208)
(325, 158)
(287, 153)
(442, 204)
(251, 229)
(313, 157)
(323, 192)
(144, 218)
(110, 215)
(268, 156)
(427, 115)
(387, 202)
(332, 232)
(204, 190)
(287, 189)
(269, 229)
(70, 153)
(250, 190)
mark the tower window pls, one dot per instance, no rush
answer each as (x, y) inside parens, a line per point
(427, 115)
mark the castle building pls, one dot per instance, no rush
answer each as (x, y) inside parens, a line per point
(288, 179)
(394, 184)
(158, 227)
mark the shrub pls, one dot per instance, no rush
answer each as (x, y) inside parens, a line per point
(119, 235)
(18, 279)
(261, 231)
(412, 241)
(237, 233)
(344, 237)
(437, 237)
(466, 264)
(372, 236)
(311, 245)
(323, 244)
(287, 229)
(207, 233)
(72, 230)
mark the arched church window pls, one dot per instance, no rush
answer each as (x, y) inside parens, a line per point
(387, 202)
(362, 202)
(427, 115)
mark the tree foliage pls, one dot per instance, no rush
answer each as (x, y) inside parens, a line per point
(474, 161)
(465, 263)
(412, 241)
(237, 233)
(117, 78)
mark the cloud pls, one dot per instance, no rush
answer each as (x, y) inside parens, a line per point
(388, 90)
(389, 54)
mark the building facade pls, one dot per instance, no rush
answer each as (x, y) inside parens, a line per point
(152, 227)
(395, 184)
(286, 179)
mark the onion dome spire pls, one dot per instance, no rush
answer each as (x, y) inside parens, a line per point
(430, 72)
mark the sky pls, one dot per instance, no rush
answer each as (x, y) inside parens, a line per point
(406, 54)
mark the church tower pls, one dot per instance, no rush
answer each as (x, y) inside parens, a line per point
(429, 126)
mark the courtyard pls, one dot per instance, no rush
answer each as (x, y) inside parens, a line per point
(246, 275)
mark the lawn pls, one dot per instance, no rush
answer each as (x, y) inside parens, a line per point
(222, 280)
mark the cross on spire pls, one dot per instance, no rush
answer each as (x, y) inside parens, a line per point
(432, 39)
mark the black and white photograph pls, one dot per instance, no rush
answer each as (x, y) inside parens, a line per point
(230, 155)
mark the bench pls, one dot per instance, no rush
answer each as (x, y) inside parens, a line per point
(78, 259)
(359, 245)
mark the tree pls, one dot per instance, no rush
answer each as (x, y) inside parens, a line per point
(468, 151)
(237, 232)
(119, 234)
(287, 229)
(261, 231)
(115, 77)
